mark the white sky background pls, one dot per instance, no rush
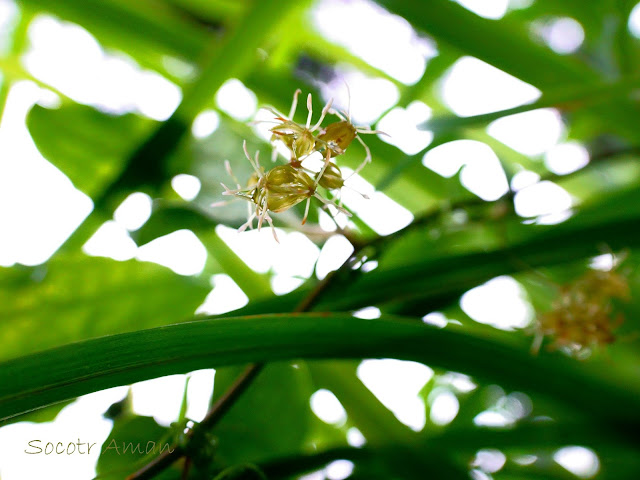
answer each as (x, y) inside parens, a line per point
(41, 203)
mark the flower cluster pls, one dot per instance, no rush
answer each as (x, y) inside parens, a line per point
(284, 186)
(583, 317)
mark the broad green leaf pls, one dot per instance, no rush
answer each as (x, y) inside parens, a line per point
(271, 419)
(133, 441)
(88, 146)
(167, 218)
(96, 364)
(77, 297)
(374, 420)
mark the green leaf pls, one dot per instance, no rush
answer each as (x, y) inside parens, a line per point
(503, 46)
(566, 99)
(167, 218)
(133, 441)
(241, 472)
(420, 280)
(378, 425)
(43, 415)
(99, 146)
(96, 364)
(270, 419)
(77, 297)
(390, 461)
(146, 30)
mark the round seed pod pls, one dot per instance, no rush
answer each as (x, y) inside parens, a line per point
(338, 136)
(304, 144)
(332, 177)
(285, 187)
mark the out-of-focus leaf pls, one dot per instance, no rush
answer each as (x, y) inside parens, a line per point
(236, 54)
(504, 46)
(522, 436)
(147, 30)
(395, 461)
(565, 99)
(321, 49)
(254, 284)
(374, 420)
(212, 10)
(133, 441)
(72, 298)
(88, 146)
(421, 280)
(443, 279)
(500, 45)
(271, 418)
(168, 218)
(590, 16)
(241, 472)
(146, 164)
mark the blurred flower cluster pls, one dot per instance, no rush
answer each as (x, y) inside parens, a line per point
(584, 317)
